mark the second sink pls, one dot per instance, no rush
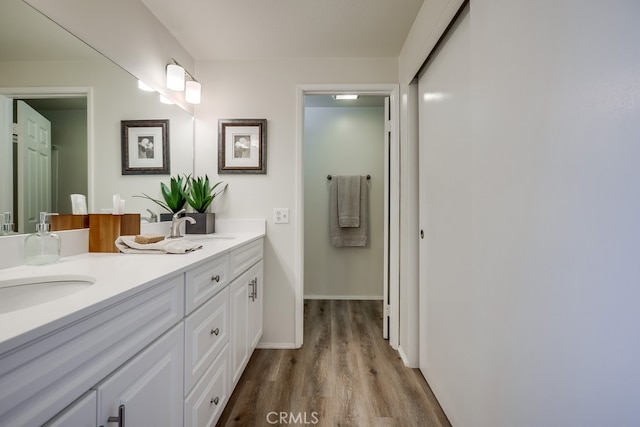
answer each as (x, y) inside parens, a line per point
(16, 294)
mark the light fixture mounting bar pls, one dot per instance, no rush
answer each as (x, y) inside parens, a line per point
(173, 61)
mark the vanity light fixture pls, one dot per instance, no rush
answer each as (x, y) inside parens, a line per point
(179, 79)
(175, 77)
(345, 97)
(192, 92)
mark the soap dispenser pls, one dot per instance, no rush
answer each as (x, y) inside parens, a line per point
(7, 225)
(42, 247)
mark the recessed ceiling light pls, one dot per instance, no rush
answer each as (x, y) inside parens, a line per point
(345, 97)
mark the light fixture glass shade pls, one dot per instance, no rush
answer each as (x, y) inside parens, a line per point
(192, 92)
(175, 77)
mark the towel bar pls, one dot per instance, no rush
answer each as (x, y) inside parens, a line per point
(329, 177)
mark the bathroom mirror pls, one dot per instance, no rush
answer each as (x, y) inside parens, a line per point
(84, 96)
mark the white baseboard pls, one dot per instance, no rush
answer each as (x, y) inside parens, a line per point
(345, 297)
(405, 359)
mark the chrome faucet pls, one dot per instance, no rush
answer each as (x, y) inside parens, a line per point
(153, 217)
(177, 221)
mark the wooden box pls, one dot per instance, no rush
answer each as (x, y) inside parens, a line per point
(104, 229)
(68, 222)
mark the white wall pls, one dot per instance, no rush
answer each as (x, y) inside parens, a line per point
(555, 215)
(557, 211)
(342, 141)
(267, 89)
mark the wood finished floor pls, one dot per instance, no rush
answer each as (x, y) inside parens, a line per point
(345, 373)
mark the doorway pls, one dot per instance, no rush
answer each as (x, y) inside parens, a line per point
(67, 166)
(388, 183)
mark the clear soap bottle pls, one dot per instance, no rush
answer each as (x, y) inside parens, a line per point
(42, 247)
(7, 225)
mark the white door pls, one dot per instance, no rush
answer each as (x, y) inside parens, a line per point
(255, 305)
(446, 288)
(34, 166)
(6, 155)
(239, 338)
(148, 390)
(386, 281)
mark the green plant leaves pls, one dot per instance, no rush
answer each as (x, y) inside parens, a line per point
(200, 194)
(174, 195)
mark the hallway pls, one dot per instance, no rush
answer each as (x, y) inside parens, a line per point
(345, 374)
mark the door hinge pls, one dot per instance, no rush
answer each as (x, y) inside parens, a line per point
(387, 125)
(387, 310)
(15, 128)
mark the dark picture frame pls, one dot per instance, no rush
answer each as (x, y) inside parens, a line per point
(242, 146)
(145, 147)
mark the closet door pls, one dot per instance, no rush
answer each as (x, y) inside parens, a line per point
(446, 290)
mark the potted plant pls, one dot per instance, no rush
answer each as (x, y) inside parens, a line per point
(174, 196)
(200, 194)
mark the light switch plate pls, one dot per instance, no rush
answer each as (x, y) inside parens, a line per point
(281, 216)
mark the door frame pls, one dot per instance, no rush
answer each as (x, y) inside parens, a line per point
(12, 93)
(392, 199)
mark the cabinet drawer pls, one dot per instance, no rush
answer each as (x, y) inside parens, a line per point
(244, 257)
(206, 332)
(205, 280)
(204, 405)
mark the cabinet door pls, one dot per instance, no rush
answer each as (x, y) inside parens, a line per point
(239, 327)
(255, 306)
(149, 387)
(81, 413)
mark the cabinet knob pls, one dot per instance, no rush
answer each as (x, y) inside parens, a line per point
(216, 278)
(215, 401)
(215, 331)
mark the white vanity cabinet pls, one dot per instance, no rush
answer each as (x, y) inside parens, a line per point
(168, 355)
(81, 413)
(246, 306)
(42, 377)
(217, 332)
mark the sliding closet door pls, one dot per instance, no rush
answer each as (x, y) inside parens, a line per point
(446, 338)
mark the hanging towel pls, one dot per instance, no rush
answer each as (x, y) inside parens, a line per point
(348, 200)
(349, 236)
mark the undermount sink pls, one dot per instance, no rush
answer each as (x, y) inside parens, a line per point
(16, 294)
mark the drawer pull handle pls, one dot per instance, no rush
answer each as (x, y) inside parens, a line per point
(119, 419)
(216, 278)
(215, 331)
(215, 401)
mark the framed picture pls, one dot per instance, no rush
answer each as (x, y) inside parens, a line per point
(145, 147)
(242, 146)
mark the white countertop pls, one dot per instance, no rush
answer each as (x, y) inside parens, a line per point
(118, 276)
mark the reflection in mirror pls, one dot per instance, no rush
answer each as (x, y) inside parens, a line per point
(83, 96)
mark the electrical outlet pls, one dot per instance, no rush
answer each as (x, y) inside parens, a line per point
(281, 216)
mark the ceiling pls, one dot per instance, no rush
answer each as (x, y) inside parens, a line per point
(27, 35)
(260, 29)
